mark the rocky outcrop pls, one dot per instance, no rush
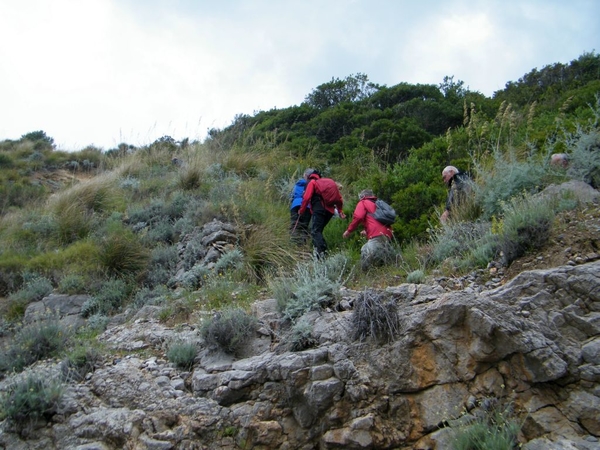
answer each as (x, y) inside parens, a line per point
(533, 343)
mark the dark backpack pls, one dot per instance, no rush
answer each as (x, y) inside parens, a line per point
(384, 213)
(329, 192)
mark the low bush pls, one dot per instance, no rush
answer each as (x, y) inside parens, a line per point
(312, 285)
(80, 361)
(32, 343)
(182, 354)
(492, 427)
(526, 226)
(109, 298)
(228, 330)
(35, 397)
(301, 337)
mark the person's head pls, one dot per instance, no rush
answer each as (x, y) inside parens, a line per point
(365, 193)
(308, 172)
(448, 173)
(559, 159)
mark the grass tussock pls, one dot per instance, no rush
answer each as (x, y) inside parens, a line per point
(228, 330)
(375, 316)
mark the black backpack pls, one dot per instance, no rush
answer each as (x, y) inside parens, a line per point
(384, 213)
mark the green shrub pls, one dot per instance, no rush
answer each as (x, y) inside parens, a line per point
(375, 315)
(163, 265)
(80, 361)
(73, 284)
(229, 329)
(35, 397)
(34, 289)
(32, 343)
(301, 337)
(182, 354)
(493, 428)
(463, 244)
(311, 286)
(526, 226)
(416, 276)
(109, 298)
(506, 177)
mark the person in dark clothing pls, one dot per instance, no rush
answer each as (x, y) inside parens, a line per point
(458, 184)
(321, 212)
(299, 223)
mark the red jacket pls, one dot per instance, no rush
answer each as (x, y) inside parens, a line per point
(362, 215)
(308, 195)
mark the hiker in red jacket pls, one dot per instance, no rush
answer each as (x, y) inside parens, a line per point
(378, 249)
(324, 198)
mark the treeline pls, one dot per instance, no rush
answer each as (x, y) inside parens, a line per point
(397, 139)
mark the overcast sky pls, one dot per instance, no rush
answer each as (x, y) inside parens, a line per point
(102, 72)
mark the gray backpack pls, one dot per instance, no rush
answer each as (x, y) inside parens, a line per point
(384, 213)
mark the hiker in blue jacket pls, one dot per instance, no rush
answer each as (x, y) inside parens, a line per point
(300, 223)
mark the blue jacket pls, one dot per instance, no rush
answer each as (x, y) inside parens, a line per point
(297, 193)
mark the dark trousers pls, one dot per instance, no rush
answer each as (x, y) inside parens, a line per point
(299, 225)
(320, 219)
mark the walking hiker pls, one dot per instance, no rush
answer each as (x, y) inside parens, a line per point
(378, 249)
(324, 198)
(458, 184)
(299, 223)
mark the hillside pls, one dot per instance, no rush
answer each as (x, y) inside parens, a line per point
(171, 267)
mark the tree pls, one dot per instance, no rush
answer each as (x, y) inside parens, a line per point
(39, 138)
(353, 89)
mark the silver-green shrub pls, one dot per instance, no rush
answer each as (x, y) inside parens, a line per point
(182, 354)
(35, 397)
(312, 285)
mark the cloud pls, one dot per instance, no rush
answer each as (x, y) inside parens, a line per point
(108, 71)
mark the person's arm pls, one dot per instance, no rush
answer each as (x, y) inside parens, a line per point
(360, 213)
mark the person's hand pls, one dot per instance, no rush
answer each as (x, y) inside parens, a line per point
(363, 233)
(342, 215)
(346, 235)
(444, 216)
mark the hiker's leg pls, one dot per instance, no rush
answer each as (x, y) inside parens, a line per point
(319, 220)
(304, 224)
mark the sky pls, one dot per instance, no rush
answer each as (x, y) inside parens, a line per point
(105, 72)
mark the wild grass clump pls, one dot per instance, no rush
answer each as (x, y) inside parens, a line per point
(35, 397)
(526, 226)
(80, 361)
(493, 427)
(375, 316)
(122, 254)
(266, 249)
(32, 343)
(312, 285)
(182, 354)
(229, 330)
(77, 210)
